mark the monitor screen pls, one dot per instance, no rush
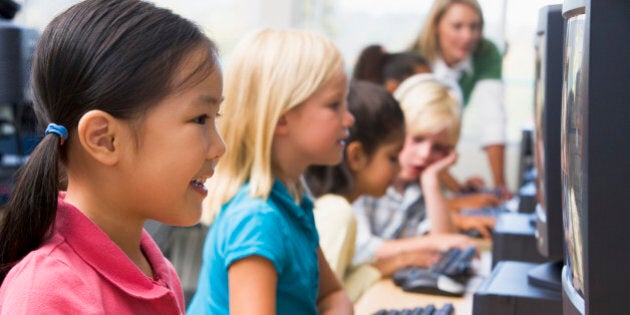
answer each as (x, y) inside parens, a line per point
(572, 155)
(539, 103)
(595, 155)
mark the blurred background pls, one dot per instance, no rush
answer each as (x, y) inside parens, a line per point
(354, 24)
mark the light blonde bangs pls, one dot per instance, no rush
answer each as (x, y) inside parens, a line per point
(430, 123)
(429, 107)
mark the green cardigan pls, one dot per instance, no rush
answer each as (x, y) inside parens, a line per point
(486, 63)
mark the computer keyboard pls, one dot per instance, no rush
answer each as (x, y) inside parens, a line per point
(430, 309)
(455, 262)
(486, 211)
(446, 277)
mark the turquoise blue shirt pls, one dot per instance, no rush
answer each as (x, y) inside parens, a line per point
(277, 229)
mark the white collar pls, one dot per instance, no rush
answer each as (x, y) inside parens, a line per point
(440, 67)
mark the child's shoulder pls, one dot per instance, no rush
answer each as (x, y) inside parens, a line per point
(244, 207)
(52, 274)
(332, 201)
(55, 257)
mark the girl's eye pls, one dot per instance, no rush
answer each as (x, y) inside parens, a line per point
(201, 119)
(335, 105)
(418, 139)
(442, 149)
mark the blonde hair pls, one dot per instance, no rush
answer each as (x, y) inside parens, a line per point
(270, 72)
(429, 107)
(427, 40)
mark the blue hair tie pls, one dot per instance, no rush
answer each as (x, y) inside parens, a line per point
(59, 130)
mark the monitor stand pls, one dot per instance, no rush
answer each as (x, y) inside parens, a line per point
(547, 275)
(514, 238)
(507, 292)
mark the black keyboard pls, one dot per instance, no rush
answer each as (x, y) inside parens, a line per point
(455, 262)
(446, 277)
(486, 211)
(430, 309)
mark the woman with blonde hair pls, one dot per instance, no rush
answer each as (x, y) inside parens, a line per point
(452, 42)
(287, 91)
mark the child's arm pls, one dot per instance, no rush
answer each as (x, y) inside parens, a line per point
(437, 207)
(473, 201)
(450, 182)
(252, 282)
(483, 224)
(420, 258)
(420, 251)
(331, 299)
(472, 184)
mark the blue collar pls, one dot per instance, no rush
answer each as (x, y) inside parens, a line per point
(302, 212)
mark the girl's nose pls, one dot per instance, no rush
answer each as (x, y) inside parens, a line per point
(217, 148)
(424, 150)
(348, 118)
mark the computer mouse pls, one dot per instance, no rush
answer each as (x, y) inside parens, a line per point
(400, 276)
(404, 274)
(434, 283)
(474, 233)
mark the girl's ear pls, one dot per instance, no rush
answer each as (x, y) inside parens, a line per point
(97, 133)
(356, 157)
(282, 127)
(391, 85)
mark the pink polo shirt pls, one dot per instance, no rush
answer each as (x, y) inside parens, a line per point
(80, 270)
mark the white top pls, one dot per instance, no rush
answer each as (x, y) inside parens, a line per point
(487, 95)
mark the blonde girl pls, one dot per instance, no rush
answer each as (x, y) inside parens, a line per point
(287, 92)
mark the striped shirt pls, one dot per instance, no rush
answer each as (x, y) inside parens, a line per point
(392, 216)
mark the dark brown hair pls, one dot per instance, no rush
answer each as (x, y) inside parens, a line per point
(378, 120)
(118, 56)
(377, 66)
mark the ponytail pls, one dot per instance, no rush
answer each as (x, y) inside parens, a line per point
(369, 66)
(30, 212)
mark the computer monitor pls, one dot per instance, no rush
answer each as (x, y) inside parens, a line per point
(547, 109)
(547, 116)
(594, 157)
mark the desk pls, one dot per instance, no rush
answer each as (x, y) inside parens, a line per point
(386, 295)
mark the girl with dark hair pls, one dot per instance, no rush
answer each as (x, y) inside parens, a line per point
(369, 167)
(129, 93)
(388, 69)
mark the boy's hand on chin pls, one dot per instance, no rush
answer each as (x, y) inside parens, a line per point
(441, 164)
